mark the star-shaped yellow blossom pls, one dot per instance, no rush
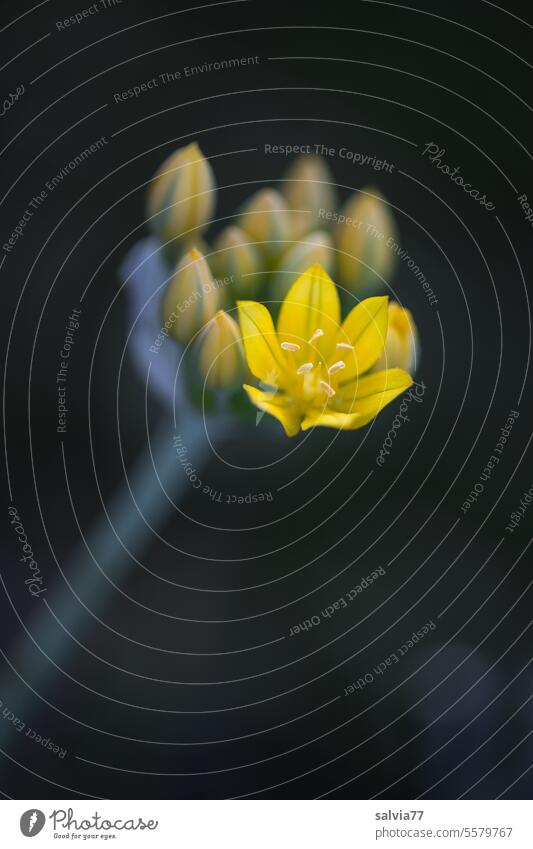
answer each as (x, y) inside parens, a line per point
(320, 364)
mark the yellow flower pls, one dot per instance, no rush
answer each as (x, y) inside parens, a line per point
(315, 365)
(220, 353)
(401, 344)
(181, 198)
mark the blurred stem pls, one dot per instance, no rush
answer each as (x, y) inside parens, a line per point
(104, 550)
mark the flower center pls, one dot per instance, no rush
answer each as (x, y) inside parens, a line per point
(313, 381)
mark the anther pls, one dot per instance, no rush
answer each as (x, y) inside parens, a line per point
(345, 345)
(316, 335)
(330, 392)
(336, 367)
(290, 346)
(304, 368)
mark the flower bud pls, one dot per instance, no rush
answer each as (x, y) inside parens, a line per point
(361, 238)
(314, 249)
(266, 219)
(181, 197)
(191, 297)
(401, 343)
(220, 352)
(236, 256)
(309, 186)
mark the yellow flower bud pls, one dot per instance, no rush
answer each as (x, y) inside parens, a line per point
(221, 360)
(309, 186)
(236, 256)
(181, 197)
(266, 219)
(401, 343)
(362, 237)
(314, 249)
(191, 297)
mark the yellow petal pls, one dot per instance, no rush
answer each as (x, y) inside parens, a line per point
(364, 328)
(371, 394)
(311, 304)
(368, 395)
(263, 354)
(341, 421)
(275, 404)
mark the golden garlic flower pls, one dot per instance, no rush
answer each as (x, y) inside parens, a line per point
(315, 368)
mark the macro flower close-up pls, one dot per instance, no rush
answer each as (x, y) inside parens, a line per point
(326, 351)
(316, 366)
(267, 401)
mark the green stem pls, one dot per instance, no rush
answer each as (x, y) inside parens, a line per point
(44, 647)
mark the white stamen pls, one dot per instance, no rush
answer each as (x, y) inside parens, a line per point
(290, 346)
(316, 335)
(304, 368)
(330, 392)
(345, 345)
(337, 367)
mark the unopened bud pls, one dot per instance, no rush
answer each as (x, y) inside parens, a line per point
(309, 190)
(220, 351)
(314, 249)
(191, 298)
(181, 198)
(266, 219)
(236, 256)
(401, 342)
(365, 256)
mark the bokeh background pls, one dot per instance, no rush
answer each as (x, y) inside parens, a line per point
(175, 676)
